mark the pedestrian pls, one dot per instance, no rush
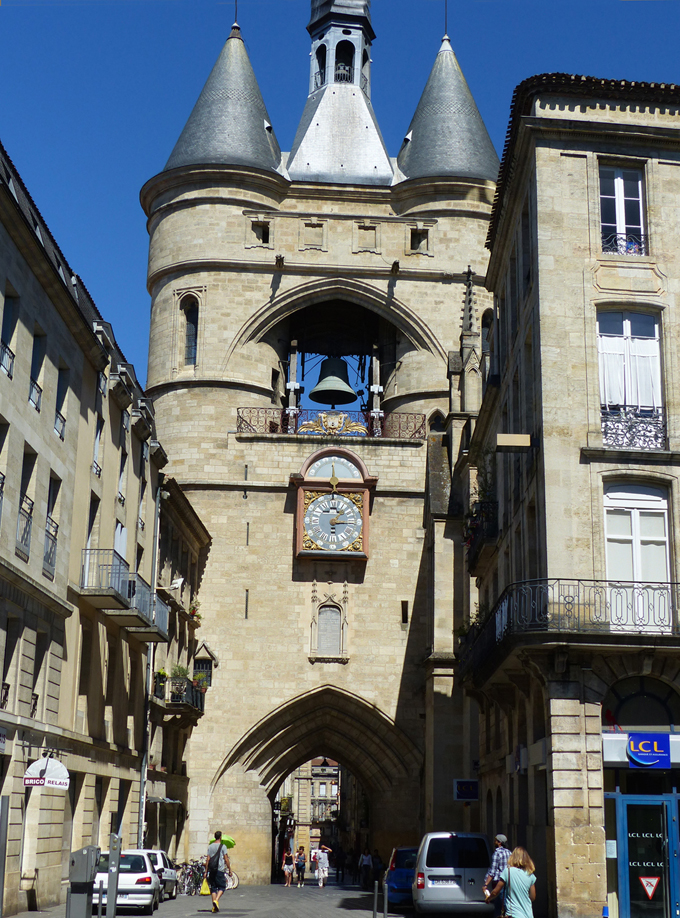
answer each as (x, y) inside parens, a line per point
(499, 862)
(519, 881)
(300, 864)
(288, 866)
(322, 865)
(354, 866)
(366, 864)
(340, 859)
(217, 866)
(378, 865)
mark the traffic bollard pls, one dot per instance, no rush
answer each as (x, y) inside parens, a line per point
(375, 899)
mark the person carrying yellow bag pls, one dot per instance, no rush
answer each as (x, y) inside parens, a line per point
(217, 866)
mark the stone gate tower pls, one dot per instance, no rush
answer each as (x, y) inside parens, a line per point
(336, 565)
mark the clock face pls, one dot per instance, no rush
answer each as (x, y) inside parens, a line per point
(333, 467)
(333, 522)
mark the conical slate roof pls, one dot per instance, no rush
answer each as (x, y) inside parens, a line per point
(229, 124)
(447, 135)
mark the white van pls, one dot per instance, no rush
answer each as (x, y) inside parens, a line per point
(450, 871)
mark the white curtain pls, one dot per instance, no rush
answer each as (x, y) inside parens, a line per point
(630, 371)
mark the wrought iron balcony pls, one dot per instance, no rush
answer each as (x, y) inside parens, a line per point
(625, 243)
(184, 692)
(35, 395)
(4, 696)
(6, 359)
(24, 526)
(33, 711)
(571, 611)
(104, 578)
(482, 533)
(96, 468)
(59, 424)
(50, 552)
(155, 630)
(332, 423)
(633, 428)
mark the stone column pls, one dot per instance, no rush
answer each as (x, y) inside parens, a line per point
(577, 803)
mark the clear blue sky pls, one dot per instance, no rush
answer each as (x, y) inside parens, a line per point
(96, 92)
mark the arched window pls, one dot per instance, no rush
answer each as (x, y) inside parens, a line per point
(344, 62)
(189, 306)
(640, 703)
(320, 78)
(329, 634)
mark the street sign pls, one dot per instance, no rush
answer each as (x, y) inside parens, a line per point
(649, 885)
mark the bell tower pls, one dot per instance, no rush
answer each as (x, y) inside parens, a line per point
(305, 366)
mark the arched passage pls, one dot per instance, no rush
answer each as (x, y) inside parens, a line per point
(333, 722)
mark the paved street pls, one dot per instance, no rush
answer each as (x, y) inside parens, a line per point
(268, 902)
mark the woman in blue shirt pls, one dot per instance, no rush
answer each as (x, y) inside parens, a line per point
(520, 882)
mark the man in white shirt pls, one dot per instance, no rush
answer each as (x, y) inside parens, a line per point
(322, 864)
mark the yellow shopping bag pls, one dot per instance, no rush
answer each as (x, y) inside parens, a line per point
(205, 889)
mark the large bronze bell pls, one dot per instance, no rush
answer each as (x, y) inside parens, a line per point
(333, 387)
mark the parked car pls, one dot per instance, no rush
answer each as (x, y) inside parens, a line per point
(398, 878)
(138, 883)
(449, 873)
(166, 871)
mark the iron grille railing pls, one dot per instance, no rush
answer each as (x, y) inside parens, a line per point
(343, 73)
(6, 359)
(398, 425)
(59, 424)
(104, 569)
(50, 553)
(24, 525)
(96, 468)
(139, 594)
(598, 608)
(625, 243)
(141, 524)
(4, 696)
(633, 428)
(183, 691)
(102, 383)
(35, 395)
(482, 528)
(33, 712)
(319, 79)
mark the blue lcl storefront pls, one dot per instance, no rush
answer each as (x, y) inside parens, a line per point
(641, 757)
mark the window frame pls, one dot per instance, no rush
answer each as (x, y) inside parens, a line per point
(637, 503)
(627, 238)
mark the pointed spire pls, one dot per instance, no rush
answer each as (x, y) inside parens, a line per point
(229, 124)
(447, 135)
(470, 325)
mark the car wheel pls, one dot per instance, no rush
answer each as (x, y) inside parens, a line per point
(148, 909)
(173, 894)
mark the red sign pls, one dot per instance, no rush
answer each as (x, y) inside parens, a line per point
(649, 885)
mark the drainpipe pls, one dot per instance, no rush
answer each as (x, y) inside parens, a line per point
(150, 658)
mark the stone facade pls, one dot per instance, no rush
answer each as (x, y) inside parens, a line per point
(566, 609)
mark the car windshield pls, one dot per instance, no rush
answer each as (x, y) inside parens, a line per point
(129, 863)
(457, 852)
(405, 858)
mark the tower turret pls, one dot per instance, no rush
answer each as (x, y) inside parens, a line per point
(447, 136)
(229, 124)
(338, 139)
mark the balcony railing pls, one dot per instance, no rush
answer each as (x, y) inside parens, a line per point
(50, 553)
(482, 531)
(24, 525)
(183, 691)
(59, 424)
(6, 359)
(35, 395)
(625, 244)
(139, 593)
(96, 468)
(343, 73)
(601, 610)
(634, 428)
(33, 711)
(332, 423)
(105, 576)
(4, 696)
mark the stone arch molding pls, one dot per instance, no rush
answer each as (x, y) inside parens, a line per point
(326, 721)
(354, 291)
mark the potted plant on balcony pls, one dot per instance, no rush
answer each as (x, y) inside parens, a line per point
(201, 680)
(179, 675)
(194, 613)
(160, 678)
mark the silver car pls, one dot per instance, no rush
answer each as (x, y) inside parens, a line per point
(450, 871)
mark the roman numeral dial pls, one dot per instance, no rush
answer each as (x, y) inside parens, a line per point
(333, 522)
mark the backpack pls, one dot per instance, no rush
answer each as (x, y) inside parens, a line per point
(214, 862)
